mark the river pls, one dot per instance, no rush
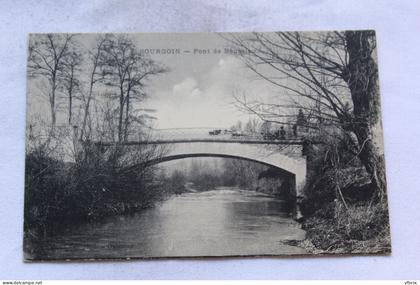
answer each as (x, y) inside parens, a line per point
(213, 223)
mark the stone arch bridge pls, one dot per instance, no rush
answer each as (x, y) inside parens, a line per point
(285, 154)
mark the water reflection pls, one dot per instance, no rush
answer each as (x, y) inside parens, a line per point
(213, 223)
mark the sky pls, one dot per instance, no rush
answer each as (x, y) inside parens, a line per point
(198, 89)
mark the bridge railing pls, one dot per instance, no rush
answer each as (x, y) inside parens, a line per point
(216, 134)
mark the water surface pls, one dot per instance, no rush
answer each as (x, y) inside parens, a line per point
(213, 223)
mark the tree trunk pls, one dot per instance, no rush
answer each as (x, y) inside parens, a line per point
(362, 78)
(127, 112)
(91, 84)
(86, 114)
(120, 118)
(52, 102)
(70, 91)
(53, 117)
(70, 107)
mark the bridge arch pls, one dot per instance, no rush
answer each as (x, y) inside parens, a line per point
(288, 158)
(284, 154)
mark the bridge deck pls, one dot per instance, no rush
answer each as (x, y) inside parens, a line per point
(244, 141)
(204, 135)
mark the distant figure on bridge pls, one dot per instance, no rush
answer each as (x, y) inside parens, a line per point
(215, 132)
(295, 130)
(282, 133)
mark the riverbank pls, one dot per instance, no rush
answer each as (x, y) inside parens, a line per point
(97, 185)
(356, 230)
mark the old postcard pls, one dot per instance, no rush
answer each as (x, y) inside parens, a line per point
(204, 144)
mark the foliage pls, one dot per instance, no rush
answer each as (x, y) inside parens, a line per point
(100, 183)
(176, 182)
(241, 173)
(207, 175)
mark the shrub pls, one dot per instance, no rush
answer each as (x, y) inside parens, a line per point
(98, 184)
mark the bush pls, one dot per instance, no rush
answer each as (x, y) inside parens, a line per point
(45, 178)
(98, 184)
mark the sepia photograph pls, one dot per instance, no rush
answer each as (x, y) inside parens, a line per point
(169, 145)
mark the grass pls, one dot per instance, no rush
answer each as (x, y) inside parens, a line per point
(362, 228)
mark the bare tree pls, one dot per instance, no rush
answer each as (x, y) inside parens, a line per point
(252, 126)
(332, 76)
(47, 60)
(126, 69)
(361, 75)
(94, 77)
(70, 78)
(137, 74)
